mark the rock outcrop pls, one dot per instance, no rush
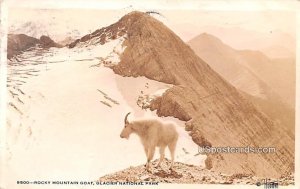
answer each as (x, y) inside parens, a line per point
(47, 42)
(17, 43)
(187, 174)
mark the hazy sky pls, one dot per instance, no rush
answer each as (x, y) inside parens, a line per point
(261, 21)
(186, 23)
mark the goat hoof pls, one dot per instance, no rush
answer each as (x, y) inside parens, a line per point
(147, 167)
(149, 170)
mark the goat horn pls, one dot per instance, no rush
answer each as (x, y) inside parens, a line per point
(125, 120)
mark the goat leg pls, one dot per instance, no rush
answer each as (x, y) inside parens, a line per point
(162, 156)
(172, 147)
(150, 155)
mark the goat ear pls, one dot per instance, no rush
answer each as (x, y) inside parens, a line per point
(126, 120)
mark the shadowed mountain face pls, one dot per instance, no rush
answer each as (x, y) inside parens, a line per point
(47, 42)
(226, 61)
(249, 71)
(16, 43)
(274, 44)
(279, 74)
(278, 52)
(255, 74)
(217, 114)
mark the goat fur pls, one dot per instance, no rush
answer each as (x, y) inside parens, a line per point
(153, 133)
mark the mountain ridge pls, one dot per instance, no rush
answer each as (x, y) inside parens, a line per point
(275, 43)
(16, 43)
(252, 66)
(216, 113)
(239, 68)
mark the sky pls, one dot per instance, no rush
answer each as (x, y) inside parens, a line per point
(180, 21)
(260, 21)
(186, 18)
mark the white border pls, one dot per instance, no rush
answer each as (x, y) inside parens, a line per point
(215, 5)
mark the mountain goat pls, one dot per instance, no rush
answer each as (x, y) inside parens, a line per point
(153, 133)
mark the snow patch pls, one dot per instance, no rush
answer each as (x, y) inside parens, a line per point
(144, 100)
(113, 58)
(109, 53)
(65, 117)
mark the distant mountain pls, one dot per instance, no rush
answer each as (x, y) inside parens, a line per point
(259, 77)
(279, 74)
(249, 71)
(66, 41)
(32, 29)
(37, 29)
(16, 43)
(274, 41)
(217, 114)
(47, 42)
(278, 52)
(225, 61)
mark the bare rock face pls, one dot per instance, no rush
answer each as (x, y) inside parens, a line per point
(170, 105)
(47, 42)
(19, 42)
(16, 43)
(217, 113)
(103, 35)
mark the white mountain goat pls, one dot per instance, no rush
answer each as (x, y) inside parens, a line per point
(153, 133)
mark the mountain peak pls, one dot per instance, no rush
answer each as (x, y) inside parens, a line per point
(207, 37)
(134, 14)
(209, 43)
(116, 30)
(204, 34)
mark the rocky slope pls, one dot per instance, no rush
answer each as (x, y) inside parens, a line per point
(217, 114)
(279, 74)
(279, 52)
(16, 43)
(47, 42)
(187, 174)
(225, 61)
(255, 74)
(249, 71)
